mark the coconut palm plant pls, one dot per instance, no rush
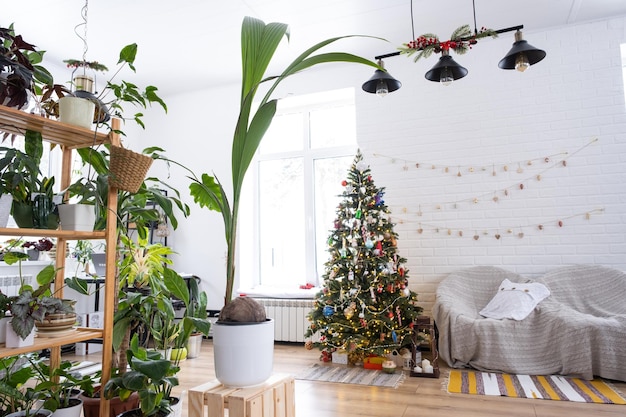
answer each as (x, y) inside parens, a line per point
(259, 42)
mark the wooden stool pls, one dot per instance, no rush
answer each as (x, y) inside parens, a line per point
(274, 398)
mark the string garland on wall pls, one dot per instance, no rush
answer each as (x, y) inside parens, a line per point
(491, 196)
(496, 232)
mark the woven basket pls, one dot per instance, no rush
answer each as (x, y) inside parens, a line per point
(128, 169)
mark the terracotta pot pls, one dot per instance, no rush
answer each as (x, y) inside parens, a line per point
(91, 405)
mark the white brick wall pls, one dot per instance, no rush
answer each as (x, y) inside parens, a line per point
(500, 117)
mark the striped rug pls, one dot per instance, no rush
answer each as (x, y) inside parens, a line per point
(552, 387)
(347, 374)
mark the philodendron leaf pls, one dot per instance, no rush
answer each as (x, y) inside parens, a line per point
(207, 193)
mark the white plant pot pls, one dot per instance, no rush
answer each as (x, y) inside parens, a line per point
(77, 217)
(3, 328)
(72, 411)
(177, 408)
(76, 111)
(13, 340)
(5, 209)
(194, 346)
(243, 353)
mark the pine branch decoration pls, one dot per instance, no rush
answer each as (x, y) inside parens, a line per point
(460, 42)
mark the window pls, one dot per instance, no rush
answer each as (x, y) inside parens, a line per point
(293, 187)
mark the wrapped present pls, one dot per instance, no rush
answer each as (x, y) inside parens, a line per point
(340, 356)
(374, 362)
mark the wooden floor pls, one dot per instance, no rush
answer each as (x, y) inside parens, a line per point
(416, 397)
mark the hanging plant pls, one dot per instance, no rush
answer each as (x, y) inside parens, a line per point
(460, 42)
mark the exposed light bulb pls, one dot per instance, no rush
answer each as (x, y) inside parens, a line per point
(521, 62)
(381, 88)
(446, 77)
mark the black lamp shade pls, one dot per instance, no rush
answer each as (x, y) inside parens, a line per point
(533, 54)
(370, 85)
(455, 69)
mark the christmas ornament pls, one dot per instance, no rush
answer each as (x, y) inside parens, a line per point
(308, 345)
(361, 166)
(328, 311)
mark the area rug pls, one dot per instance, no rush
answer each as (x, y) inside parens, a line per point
(553, 387)
(346, 374)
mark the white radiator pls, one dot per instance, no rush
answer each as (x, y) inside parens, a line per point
(290, 317)
(10, 284)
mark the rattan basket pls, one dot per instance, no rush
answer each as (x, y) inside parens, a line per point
(128, 169)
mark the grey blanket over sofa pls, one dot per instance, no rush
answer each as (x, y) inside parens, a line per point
(579, 330)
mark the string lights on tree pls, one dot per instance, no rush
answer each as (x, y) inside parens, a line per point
(365, 306)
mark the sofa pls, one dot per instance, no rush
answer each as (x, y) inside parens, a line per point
(578, 329)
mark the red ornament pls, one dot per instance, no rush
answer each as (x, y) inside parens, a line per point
(390, 314)
(344, 183)
(411, 325)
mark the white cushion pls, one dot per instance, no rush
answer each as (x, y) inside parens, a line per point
(514, 300)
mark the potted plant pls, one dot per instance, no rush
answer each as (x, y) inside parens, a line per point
(21, 76)
(33, 196)
(259, 42)
(60, 387)
(32, 305)
(91, 390)
(17, 398)
(194, 324)
(195, 318)
(151, 376)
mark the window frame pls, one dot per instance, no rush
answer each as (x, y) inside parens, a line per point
(249, 272)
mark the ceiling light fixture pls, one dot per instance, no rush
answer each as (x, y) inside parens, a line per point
(381, 82)
(520, 57)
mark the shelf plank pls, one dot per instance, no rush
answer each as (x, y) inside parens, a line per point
(17, 122)
(66, 234)
(81, 334)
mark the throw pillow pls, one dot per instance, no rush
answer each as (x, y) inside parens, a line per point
(515, 300)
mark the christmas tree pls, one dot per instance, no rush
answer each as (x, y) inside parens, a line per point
(365, 306)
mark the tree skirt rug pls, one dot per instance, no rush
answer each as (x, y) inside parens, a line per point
(346, 374)
(553, 387)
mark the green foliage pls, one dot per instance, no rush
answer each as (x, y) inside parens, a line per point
(15, 372)
(259, 42)
(21, 177)
(57, 385)
(154, 198)
(151, 376)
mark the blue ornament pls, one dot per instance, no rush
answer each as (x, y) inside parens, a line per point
(328, 311)
(369, 244)
(394, 336)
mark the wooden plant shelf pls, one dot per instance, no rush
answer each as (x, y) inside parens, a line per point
(17, 122)
(79, 335)
(67, 234)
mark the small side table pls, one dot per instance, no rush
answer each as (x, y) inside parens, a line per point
(423, 324)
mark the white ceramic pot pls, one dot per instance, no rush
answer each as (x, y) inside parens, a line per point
(13, 340)
(5, 209)
(194, 346)
(74, 410)
(77, 217)
(243, 353)
(76, 111)
(3, 328)
(176, 405)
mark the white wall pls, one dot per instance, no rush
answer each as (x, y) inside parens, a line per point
(489, 119)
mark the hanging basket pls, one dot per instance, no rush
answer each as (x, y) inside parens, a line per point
(128, 169)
